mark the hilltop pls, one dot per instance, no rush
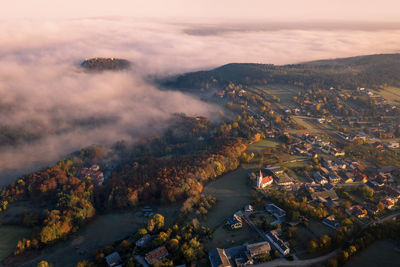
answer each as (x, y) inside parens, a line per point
(366, 71)
(100, 64)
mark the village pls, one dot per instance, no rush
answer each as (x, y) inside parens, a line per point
(310, 192)
(343, 192)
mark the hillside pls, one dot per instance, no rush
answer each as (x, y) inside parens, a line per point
(361, 71)
(99, 64)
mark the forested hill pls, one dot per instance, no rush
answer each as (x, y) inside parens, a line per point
(361, 71)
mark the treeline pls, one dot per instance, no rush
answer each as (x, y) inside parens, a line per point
(168, 179)
(367, 71)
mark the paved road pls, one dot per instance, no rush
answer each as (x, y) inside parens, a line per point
(282, 262)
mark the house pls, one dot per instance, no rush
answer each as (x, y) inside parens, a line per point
(234, 222)
(358, 211)
(331, 222)
(325, 195)
(348, 177)
(218, 258)
(144, 241)
(334, 178)
(258, 249)
(276, 170)
(360, 177)
(284, 180)
(392, 145)
(371, 208)
(275, 211)
(264, 181)
(113, 259)
(156, 255)
(388, 202)
(244, 259)
(278, 243)
(93, 173)
(248, 208)
(319, 179)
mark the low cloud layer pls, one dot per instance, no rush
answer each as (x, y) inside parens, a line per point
(44, 92)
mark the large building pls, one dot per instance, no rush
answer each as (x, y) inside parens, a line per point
(278, 243)
(258, 249)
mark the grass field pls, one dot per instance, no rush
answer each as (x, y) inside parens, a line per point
(392, 94)
(381, 253)
(284, 92)
(303, 237)
(262, 144)
(309, 127)
(232, 192)
(223, 238)
(9, 236)
(14, 213)
(319, 229)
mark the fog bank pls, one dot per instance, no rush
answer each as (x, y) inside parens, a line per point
(46, 96)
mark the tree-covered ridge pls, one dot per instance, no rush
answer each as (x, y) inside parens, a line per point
(100, 64)
(363, 71)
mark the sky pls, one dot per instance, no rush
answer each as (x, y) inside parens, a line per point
(282, 10)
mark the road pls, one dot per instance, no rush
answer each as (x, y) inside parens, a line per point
(282, 262)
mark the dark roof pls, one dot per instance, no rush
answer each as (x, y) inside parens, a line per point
(277, 241)
(275, 210)
(327, 194)
(218, 258)
(258, 248)
(144, 241)
(113, 259)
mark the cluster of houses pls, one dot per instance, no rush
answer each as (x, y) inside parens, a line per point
(250, 253)
(239, 256)
(311, 144)
(339, 171)
(151, 258)
(93, 173)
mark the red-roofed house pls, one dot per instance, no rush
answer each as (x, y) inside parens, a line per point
(156, 255)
